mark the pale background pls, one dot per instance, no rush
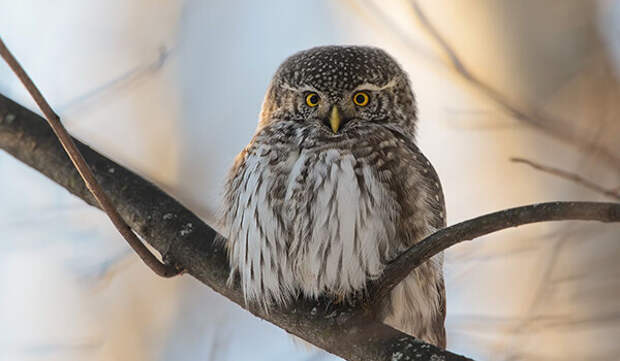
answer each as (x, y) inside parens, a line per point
(172, 89)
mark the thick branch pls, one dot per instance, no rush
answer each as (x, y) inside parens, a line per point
(399, 268)
(347, 331)
(78, 161)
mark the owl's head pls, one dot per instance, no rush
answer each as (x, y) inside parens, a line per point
(336, 90)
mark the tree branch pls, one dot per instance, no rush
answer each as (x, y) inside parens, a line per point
(345, 330)
(400, 267)
(613, 193)
(550, 126)
(161, 269)
(348, 331)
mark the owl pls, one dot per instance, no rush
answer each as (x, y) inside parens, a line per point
(332, 187)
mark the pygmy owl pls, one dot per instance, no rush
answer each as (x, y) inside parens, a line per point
(332, 187)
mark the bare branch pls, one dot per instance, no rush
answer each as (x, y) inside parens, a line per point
(613, 193)
(161, 269)
(111, 87)
(550, 126)
(345, 330)
(348, 331)
(400, 267)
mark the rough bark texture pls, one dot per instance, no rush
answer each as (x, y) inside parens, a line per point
(180, 236)
(400, 267)
(348, 331)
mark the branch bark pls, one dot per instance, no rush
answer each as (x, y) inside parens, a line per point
(161, 269)
(348, 331)
(400, 267)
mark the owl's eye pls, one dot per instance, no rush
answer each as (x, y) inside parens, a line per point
(312, 99)
(361, 99)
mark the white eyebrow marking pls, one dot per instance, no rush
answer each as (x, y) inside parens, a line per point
(303, 88)
(373, 87)
(365, 86)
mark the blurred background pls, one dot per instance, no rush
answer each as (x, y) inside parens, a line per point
(172, 90)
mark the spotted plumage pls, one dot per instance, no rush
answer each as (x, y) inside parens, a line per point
(331, 188)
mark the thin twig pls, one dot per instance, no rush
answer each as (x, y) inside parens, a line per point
(550, 126)
(346, 330)
(612, 193)
(80, 164)
(113, 86)
(419, 253)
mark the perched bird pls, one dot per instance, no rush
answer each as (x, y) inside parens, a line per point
(332, 187)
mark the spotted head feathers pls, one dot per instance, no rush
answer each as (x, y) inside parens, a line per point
(332, 187)
(337, 77)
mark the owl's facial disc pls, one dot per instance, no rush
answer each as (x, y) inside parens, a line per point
(338, 90)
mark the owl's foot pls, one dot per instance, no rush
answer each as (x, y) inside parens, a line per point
(338, 299)
(333, 301)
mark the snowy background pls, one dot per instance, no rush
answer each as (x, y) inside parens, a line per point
(172, 89)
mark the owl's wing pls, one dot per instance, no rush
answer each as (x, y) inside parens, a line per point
(438, 324)
(422, 197)
(418, 304)
(436, 200)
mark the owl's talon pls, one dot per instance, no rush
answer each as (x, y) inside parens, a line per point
(326, 173)
(338, 299)
(333, 301)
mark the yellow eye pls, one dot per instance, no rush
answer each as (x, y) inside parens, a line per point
(361, 99)
(312, 99)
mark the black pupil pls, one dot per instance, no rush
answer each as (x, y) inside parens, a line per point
(360, 98)
(314, 99)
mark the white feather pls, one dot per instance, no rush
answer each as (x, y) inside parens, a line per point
(330, 237)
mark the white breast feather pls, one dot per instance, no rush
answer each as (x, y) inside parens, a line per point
(255, 231)
(340, 239)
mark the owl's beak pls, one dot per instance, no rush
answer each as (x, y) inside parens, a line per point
(334, 119)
